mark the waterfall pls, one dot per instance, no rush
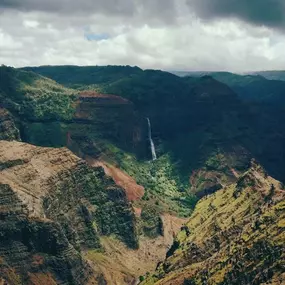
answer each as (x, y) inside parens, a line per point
(153, 153)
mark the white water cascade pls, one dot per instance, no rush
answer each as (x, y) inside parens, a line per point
(153, 153)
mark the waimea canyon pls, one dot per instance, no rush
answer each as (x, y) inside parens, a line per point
(115, 175)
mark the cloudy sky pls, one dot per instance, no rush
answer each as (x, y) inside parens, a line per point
(234, 35)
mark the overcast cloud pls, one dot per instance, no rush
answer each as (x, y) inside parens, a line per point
(270, 13)
(235, 35)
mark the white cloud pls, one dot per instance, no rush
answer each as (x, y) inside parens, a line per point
(30, 24)
(38, 38)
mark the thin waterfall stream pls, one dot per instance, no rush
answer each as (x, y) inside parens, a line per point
(153, 153)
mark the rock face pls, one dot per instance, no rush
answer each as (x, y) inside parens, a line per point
(99, 118)
(235, 236)
(8, 129)
(52, 206)
(133, 191)
(34, 250)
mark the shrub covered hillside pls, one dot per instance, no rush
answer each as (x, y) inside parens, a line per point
(235, 236)
(36, 106)
(33, 97)
(194, 118)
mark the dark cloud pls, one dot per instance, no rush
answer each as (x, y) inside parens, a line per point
(143, 11)
(269, 13)
(122, 7)
(149, 33)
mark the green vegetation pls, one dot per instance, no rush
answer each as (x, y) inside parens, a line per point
(38, 106)
(77, 76)
(198, 125)
(46, 110)
(105, 211)
(205, 135)
(44, 133)
(165, 188)
(151, 223)
(260, 87)
(33, 97)
(231, 239)
(8, 128)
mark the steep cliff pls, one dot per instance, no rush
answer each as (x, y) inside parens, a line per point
(49, 114)
(53, 206)
(101, 118)
(235, 236)
(8, 128)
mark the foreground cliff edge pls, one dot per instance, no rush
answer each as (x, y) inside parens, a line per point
(235, 236)
(53, 206)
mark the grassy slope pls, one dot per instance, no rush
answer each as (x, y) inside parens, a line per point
(34, 97)
(165, 188)
(76, 76)
(235, 236)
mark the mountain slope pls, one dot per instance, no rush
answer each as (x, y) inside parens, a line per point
(272, 74)
(53, 205)
(235, 236)
(258, 87)
(76, 76)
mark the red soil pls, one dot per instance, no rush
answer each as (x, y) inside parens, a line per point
(133, 190)
(93, 94)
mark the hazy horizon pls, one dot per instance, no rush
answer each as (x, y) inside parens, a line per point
(166, 70)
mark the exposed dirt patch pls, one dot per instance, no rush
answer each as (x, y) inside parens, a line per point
(138, 211)
(42, 278)
(133, 190)
(109, 97)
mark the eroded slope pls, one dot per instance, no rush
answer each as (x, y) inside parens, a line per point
(235, 236)
(53, 205)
